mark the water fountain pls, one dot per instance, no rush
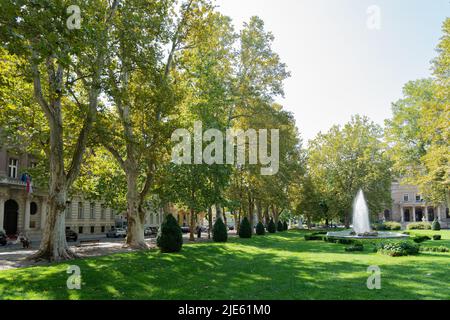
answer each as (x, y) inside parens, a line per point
(361, 224)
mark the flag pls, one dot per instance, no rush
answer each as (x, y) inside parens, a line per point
(29, 185)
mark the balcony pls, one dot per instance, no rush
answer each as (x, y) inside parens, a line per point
(12, 181)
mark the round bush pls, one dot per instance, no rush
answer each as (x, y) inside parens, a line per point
(280, 226)
(170, 238)
(245, 230)
(220, 232)
(271, 227)
(436, 226)
(260, 231)
(285, 226)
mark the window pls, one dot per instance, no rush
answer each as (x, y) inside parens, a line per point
(80, 230)
(418, 198)
(68, 210)
(447, 212)
(80, 210)
(103, 212)
(92, 211)
(92, 229)
(33, 208)
(406, 197)
(67, 228)
(103, 229)
(13, 168)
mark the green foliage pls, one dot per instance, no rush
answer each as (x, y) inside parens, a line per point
(420, 239)
(355, 247)
(393, 226)
(170, 238)
(271, 228)
(420, 150)
(419, 226)
(436, 226)
(245, 230)
(285, 226)
(313, 237)
(434, 249)
(280, 227)
(260, 230)
(397, 248)
(437, 237)
(220, 232)
(344, 160)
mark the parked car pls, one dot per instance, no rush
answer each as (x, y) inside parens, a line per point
(3, 241)
(185, 229)
(150, 231)
(71, 235)
(116, 233)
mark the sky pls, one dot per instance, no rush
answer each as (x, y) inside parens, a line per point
(346, 57)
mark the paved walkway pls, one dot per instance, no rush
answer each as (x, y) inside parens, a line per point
(14, 256)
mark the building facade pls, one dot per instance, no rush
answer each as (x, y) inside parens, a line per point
(408, 206)
(23, 210)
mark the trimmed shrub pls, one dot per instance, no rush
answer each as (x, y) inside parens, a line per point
(435, 249)
(285, 226)
(398, 248)
(420, 239)
(220, 232)
(437, 237)
(313, 237)
(419, 226)
(280, 227)
(387, 226)
(271, 227)
(329, 239)
(355, 247)
(245, 230)
(394, 226)
(260, 231)
(170, 238)
(436, 226)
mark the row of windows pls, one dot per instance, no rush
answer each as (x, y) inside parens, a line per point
(406, 197)
(80, 211)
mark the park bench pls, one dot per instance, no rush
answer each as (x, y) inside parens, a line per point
(88, 242)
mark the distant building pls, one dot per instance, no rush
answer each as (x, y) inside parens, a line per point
(408, 206)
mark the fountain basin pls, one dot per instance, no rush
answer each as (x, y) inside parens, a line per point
(379, 235)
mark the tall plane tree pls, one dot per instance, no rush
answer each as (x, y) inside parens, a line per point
(65, 65)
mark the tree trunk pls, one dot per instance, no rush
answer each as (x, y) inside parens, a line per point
(135, 213)
(259, 211)
(210, 224)
(225, 218)
(192, 226)
(250, 212)
(267, 216)
(53, 246)
(347, 221)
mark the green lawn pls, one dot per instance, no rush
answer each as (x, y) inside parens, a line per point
(280, 266)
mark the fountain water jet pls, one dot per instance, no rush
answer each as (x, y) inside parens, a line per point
(361, 223)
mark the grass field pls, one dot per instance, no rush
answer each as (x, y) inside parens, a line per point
(279, 266)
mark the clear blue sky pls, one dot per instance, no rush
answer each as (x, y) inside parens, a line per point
(339, 66)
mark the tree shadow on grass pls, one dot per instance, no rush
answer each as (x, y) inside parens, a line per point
(223, 271)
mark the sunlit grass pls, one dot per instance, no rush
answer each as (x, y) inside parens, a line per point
(279, 266)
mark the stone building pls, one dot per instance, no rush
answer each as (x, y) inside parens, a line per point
(408, 206)
(23, 211)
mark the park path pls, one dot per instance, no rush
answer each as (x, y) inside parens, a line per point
(14, 256)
